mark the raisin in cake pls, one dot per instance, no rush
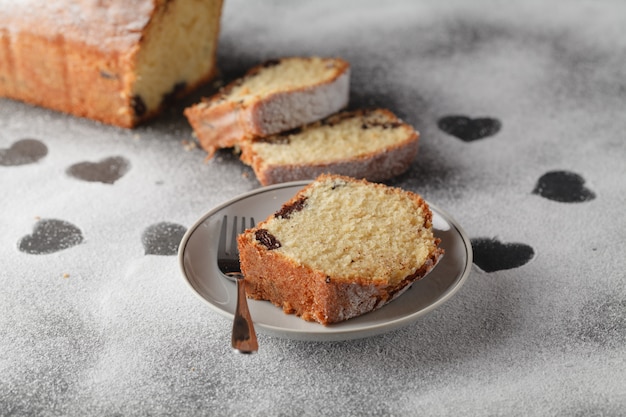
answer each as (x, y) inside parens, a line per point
(340, 248)
(272, 97)
(371, 144)
(116, 61)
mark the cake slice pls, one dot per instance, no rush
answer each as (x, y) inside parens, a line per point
(340, 248)
(371, 144)
(116, 61)
(272, 97)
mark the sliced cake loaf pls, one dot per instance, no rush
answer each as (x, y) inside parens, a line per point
(370, 144)
(273, 97)
(116, 61)
(339, 248)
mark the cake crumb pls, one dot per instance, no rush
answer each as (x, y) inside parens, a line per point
(219, 83)
(189, 145)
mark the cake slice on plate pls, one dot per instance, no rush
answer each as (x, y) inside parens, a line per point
(340, 248)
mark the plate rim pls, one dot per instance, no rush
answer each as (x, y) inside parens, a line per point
(326, 333)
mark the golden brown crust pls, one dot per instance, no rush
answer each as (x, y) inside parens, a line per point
(312, 295)
(82, 63)
(218, 126)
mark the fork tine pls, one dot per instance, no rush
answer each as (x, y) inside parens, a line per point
(227, 250)
(234, 250)
(221, 246)
(230, 251)
(233, 237)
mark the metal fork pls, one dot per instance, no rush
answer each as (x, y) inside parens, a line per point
(244, 337)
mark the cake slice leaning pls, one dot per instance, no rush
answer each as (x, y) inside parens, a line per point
(371, 144)
(340, 248)
(272, 97)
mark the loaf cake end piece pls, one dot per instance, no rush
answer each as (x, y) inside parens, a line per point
(116, 61)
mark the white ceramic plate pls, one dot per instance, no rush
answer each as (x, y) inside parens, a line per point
(198, 260)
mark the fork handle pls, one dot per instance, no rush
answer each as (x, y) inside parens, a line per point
(244, 337)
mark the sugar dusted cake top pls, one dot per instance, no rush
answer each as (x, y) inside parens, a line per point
(111, 24)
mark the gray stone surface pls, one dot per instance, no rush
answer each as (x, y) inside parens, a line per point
(106, 327)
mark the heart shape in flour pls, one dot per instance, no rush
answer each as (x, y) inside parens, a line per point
(162, 238)
(23, 152)
(106, 171)
(492, 255)
(468, 129)
(564, 187)
(49, 236)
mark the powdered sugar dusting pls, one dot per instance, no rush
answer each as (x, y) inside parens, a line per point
(111, 24)
(101, 328)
